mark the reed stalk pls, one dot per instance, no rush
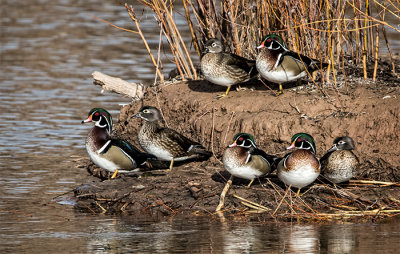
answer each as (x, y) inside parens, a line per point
(134, 19)
(365, 42)
(331, 31)
(376, 54)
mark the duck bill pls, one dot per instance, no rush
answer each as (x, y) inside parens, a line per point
(136, 116)
(88, 120)
(233, 144)
(333, 148)
(261, 46)
(292, 146)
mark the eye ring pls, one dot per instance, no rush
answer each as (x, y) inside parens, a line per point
(214, 44)
(146, 111)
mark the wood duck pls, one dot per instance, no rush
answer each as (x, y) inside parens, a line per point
(278, 64)
(110, 153)
(300, 167)
(225, 69)
(243, 159)
(164, 143)
(339, 164)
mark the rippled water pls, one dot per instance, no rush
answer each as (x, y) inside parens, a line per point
(48, 50)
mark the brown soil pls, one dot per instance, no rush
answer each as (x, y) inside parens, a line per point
(367, 111)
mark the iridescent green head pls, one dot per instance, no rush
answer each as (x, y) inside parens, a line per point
(272, 41)
(101, 117)
(244, 140)
(302, 141)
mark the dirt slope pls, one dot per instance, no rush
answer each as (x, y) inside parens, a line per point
(368, 112)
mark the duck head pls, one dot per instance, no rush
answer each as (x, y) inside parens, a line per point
(272, 42)
(244, 140)
(213, 46)
(342, 143)
(149, 113)
(101, 118)
(302, 141)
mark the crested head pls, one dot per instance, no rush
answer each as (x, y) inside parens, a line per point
(244, 140)
(213, 46)
(101, 117)
(273, 42)
(342, 143)
(302, 141)
(149, 113)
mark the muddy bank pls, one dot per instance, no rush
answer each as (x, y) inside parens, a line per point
(369, 112)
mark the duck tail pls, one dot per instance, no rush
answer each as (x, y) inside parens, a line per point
(274, 162)
(253, 72)
(153, 163)
(200, 151)
(317, 65)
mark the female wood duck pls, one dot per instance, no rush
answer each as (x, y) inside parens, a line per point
(164, 143)
(339, 164)
(243, 159)
(278, 64)
(225, 69)
(112, 154)
(299, 168)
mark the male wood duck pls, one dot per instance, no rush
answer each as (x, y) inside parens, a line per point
(299, 168)
(110, 153)
(243, 159)
(164, 143)
(339, 164)
(225, 69)
(278, 64)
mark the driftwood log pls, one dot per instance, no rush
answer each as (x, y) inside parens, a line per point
(117, 85)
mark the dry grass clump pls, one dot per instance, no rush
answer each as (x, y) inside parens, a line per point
(331, 31)
(323, 202)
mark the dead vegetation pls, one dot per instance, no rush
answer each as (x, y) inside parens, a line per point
(196, 192)
(330, 31)
(348, 34)
(194, 188)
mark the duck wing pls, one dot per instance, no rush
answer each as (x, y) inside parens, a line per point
(188, 145)
(137, 155)
(271, 159)
(241, 63)
(311, 64)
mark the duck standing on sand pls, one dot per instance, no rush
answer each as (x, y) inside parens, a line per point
(340, 164)
(164, 143)
(278, 64)
(225, 69)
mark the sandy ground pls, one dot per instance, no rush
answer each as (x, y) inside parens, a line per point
(367, 111)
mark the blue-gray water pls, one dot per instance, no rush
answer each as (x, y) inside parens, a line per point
(48, 50)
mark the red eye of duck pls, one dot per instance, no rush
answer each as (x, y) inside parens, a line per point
(269, 40)
(97, 114)
(240, 139)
